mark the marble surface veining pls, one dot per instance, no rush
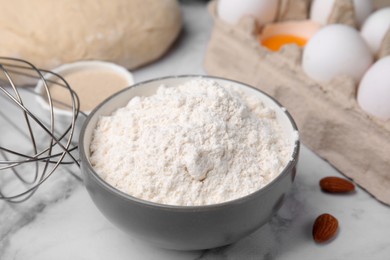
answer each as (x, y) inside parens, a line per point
(61, 221)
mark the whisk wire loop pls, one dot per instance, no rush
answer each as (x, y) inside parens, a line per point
(32, 147)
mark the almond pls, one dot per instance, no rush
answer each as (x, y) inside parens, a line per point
(336, 185)
(325, 227)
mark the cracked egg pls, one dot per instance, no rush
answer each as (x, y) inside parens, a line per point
(274, 36)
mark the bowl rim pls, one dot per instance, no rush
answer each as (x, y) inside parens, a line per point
(197, 208)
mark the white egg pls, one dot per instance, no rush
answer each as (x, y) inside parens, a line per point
(374, 89)
(321, 9)
(336, 50)
(231, 11)
(375, 27)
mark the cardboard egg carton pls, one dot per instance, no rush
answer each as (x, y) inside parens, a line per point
(329, 119)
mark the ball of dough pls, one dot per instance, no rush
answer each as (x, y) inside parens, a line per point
(128, 32)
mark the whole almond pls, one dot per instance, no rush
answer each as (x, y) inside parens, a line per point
(336, 185)
(325, 228)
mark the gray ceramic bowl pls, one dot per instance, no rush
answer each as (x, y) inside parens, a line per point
(185, 227)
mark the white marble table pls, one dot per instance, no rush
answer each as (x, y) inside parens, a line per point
(61, 222)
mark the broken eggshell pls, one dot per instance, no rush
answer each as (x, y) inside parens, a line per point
(275, 35)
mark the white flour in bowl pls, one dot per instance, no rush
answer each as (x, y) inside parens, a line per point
(199, 143)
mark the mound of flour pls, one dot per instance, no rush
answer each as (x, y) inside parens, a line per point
(198, 143)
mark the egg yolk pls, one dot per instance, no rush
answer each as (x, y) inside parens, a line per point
(276, 42)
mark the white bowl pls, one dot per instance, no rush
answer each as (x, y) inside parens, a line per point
(64, 118)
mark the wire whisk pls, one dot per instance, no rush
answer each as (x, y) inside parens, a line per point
(32, 143)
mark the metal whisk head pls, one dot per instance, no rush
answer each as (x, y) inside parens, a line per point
(32, 143)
